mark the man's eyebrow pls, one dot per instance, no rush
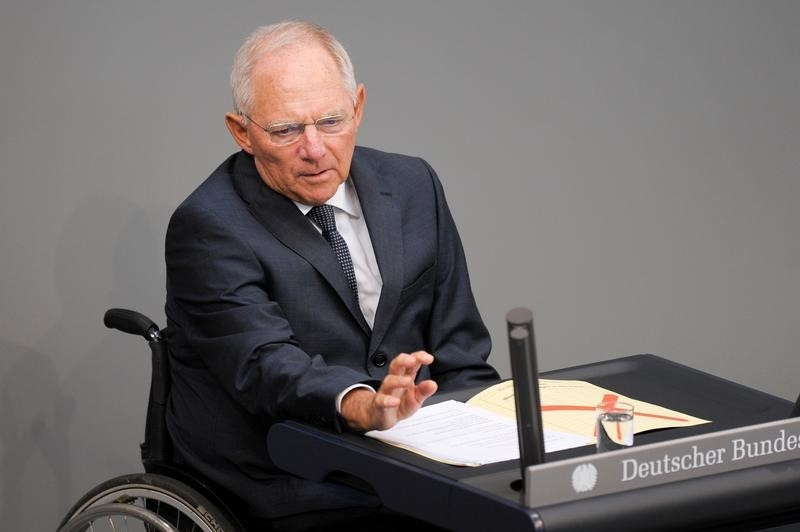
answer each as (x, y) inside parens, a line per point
(337, 112)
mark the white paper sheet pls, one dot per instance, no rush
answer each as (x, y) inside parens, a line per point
(456, 433)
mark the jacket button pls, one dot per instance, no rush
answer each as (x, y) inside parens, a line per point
(379, 360)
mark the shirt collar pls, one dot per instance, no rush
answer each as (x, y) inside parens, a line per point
(344, 199)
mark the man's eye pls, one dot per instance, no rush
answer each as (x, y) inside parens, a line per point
(285, 131)
(331, 121)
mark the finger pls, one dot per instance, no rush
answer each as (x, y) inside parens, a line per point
(385, 401)
(395, 382)
(423, 358)
(409, 364)
(402, 363)
(417, 360)
(412, 401)
(425, 389)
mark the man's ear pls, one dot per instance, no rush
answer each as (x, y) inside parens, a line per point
(238, 130)
(361, 97)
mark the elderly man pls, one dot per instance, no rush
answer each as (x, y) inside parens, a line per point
(309, 279)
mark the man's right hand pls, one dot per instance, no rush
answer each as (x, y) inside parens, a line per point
(398, 398)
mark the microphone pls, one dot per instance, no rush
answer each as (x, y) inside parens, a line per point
(525, 374)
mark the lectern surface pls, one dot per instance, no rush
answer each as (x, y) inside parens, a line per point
(462, 498)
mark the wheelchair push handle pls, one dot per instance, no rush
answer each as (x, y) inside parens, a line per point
(132, 322)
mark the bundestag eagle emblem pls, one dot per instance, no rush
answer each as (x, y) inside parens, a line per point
(584, 478)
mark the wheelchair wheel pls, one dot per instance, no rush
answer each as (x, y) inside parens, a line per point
(147, 502)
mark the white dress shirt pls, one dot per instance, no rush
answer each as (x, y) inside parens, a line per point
(351, 225)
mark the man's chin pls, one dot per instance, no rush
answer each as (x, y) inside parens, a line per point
(317, 194)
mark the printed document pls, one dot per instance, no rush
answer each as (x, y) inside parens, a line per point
(460, 434)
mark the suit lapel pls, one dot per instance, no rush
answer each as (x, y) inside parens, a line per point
(383, 219)
(281, 217)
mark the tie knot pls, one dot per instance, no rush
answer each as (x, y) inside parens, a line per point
(323, 216)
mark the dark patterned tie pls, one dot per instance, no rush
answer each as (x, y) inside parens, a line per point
(323, 216)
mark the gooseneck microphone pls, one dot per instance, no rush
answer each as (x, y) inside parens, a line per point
(525, 373)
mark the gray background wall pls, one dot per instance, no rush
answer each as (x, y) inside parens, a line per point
(629, 170)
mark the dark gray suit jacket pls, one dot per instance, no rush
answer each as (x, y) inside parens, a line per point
(264, 327)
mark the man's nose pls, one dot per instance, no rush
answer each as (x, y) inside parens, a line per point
(312, 143)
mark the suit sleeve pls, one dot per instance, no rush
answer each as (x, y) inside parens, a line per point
(227, 322)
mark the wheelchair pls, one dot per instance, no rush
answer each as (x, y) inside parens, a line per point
(166, 497)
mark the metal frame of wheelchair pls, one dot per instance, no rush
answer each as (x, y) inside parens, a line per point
(165, 497)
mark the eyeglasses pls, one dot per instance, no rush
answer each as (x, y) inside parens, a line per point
(284, 133)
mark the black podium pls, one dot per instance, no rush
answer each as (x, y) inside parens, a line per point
(481, 498)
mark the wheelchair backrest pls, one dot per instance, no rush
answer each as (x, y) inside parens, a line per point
(157, 447)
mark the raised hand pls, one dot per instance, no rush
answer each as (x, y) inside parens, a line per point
(397, 398)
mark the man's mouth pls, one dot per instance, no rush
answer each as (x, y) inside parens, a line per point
(314, 175)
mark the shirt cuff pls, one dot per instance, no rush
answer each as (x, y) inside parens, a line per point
(343, 393)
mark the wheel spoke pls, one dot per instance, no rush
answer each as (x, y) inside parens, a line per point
(144, 503)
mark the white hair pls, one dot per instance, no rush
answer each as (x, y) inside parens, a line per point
(267, 40)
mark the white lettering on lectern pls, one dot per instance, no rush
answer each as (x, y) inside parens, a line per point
(743, 449)
(633, 469)
(740, 448)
